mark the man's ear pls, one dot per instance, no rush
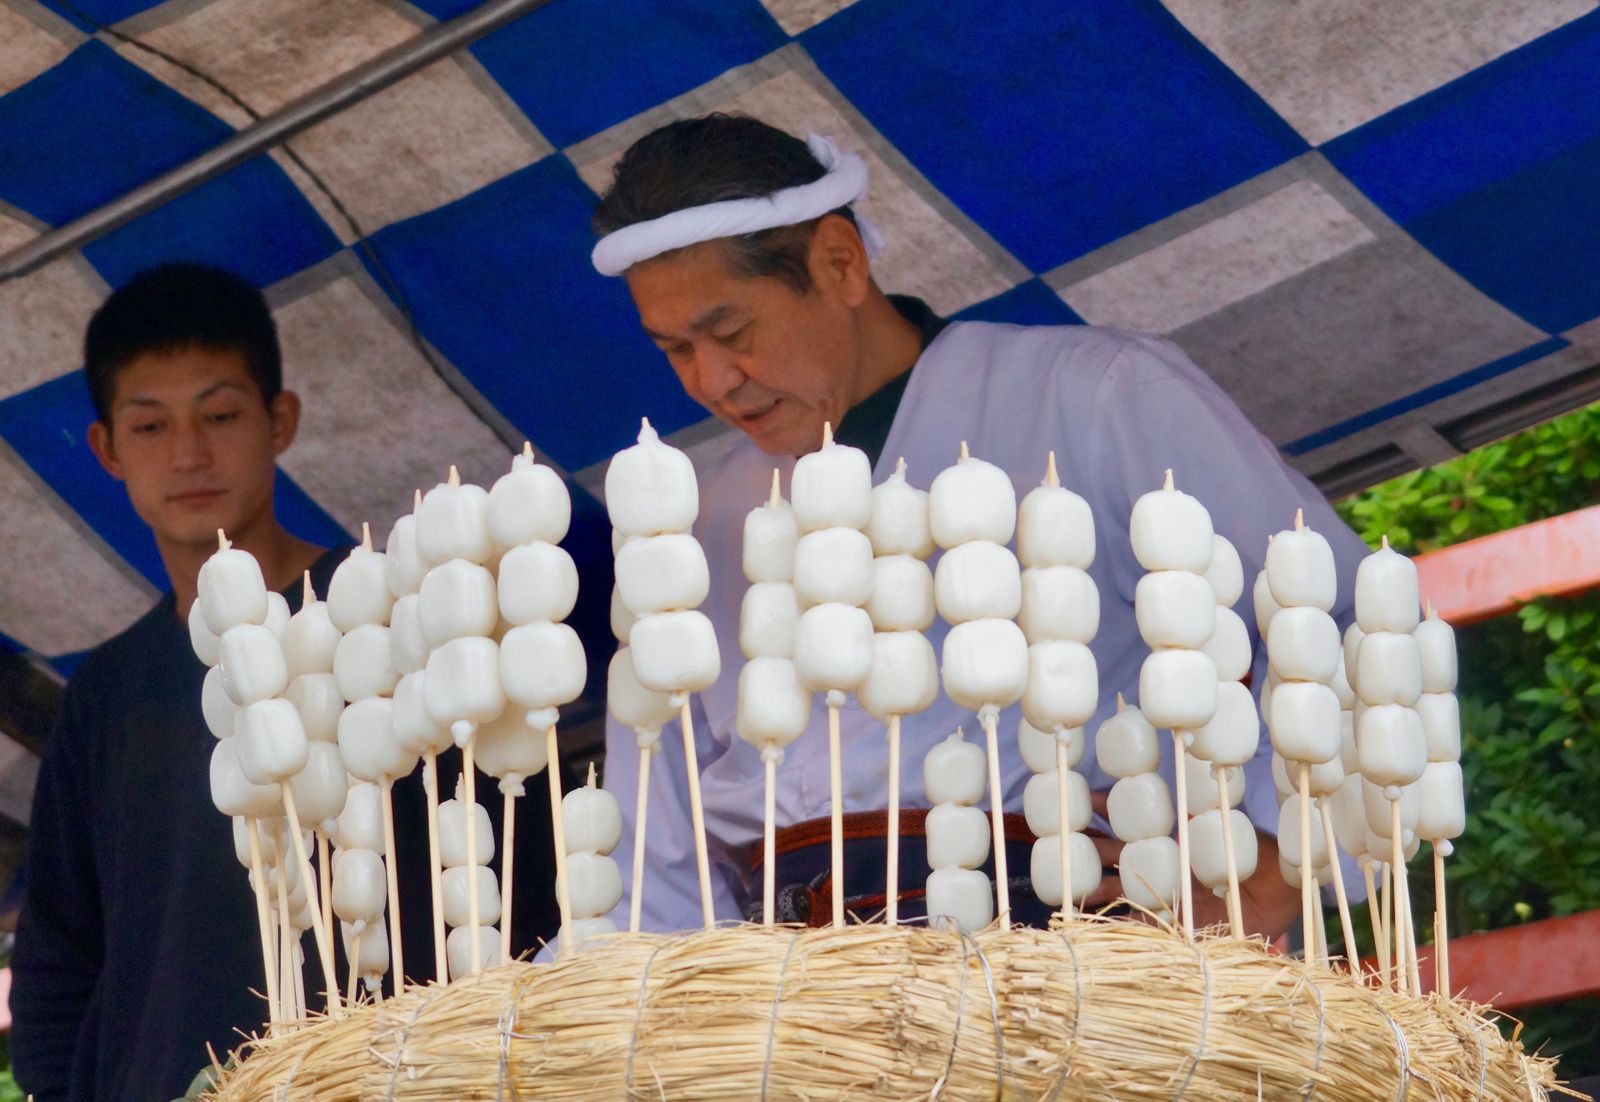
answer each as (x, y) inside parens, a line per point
(104, 450)
(285, 413)
(839, 259)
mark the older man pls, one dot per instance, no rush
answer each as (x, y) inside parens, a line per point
(751, 273)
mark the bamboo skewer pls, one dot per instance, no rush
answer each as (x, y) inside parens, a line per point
(1062, 799)
(355, 969)
(324, 946)
(508, 848)
(1308, 879)
(430, 787)
(469, 783)
(769, 838)
(558, 830)
(397, 962)
(892, 862)
(641, 807)
(1346, 927)
(1375, 919)
(269, 957)
(1441, 923)
(697, 812)
(1391, 966)
(836, 810)
(325, 888)
(294, 1009)
(1235, 903)
(997, 815)
(1185, 873)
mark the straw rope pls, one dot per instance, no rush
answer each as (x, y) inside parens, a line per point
(1093, 1010)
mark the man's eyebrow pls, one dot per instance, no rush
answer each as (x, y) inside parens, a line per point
(149, 402)
(708, 320)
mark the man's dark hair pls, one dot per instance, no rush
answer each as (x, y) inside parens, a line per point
(709, 159)
(180, 306)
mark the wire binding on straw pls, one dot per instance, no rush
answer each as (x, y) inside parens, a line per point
(405, 1036)
(1077, 1016)
(1205, 1020)
(772, 1019)
(1400, 1051)
(506, 1027)
(638, 1015)
(1322, 1037)
(955, 1029)
(994, 1016)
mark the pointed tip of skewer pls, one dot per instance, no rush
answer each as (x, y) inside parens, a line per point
(455, 477)
(366, 534)
(308, 595)
(965, 454)
(1122, 704)
(1052, 477)
(591, 780)
(1383, 543)
(416, 499)
(777, 488)
(1299, 520)
(1166, 483)
(222, 540)
(900, 468)
(1428, 611)
(827, 434)
(527, 450)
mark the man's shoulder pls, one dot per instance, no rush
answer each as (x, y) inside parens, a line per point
(1082, 348)
(133, 646)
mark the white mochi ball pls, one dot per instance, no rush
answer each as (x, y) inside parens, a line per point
(542, 667)
(408, 647)
(1377, 801)
(1389, 669)
(359, 887)
(1178, 688)
(621, 619)
(201, 638)
(595, 884)
(1340, 684)
(1440, 714)
(415, 729)
(1041, 803)
(462, 685)
(1044, 867)
(361, 665)
(1207, 848)
(1055, 528)
(1174, 608)
(277, 614)
(453, 848)
(528, 504)
(457, 893)
(1225, 575)
(538, 581)
(977, 580)
(985, 663)
(1352, 654)
(508, 748)
(1201, 778)
(310, 640)
(904, 679)
(831, 488)
(1386, 593)
(954, 771)
(1126, 744)
(1234, 732)
(957, 837)
(235, 794)
(1149, 872)
(1059, 602)
(253, 666)
(902, 594)
(359, 592)
(833, 648)
(1170, 530)
(768, 618)
(403, 563)
(317, 698)
(272, 743)
(651, 488)
(591, 819)
(1441, 802)
(629, 702)
(1436, 646)
(773, 707)
(959, 899)
(1039, 747)
(367, 743)
(899, 522)
(232, 591)
(360, 824)
(217, 710)
(1305, 721)
(1300, 570)
(1303, 644)
(770, 535)
(453, 523)
(662, 573)
(1229, 646)
(972, 500)
(1290, 839)
(1391, 744)
(1141, 807)
(321, 785)
(1063, 687)
(1349, 817)
(676, 652)
(458, 950)
(1263, 604)
(833, 565)
(581, 931)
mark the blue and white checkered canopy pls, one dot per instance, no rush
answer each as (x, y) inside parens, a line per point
(1376, 224)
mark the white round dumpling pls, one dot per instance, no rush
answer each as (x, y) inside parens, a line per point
(538, 581)
(367, 743)
(1300, 570)
(1208, 853)
(360, 824)
(1389, 669)
(1386, 593)
(415, 729)
(528, 504)
(591, 819)
(1305, 721)
(1044, 866)
(361, 665)
(1226, 572)
(359, 592)
(1174, 608)
(1436, 646)
(954, 771)
(232, 590)
(232, 792)
(1170, 530)
(321, 785)
(462, 686)
(1127, 744)
(977, 581)
(403, 563)
(1229, 646)
(457, 889)
(272, 743)
(629, 702)
(773, 707)
(1041, 804)
(899, 522)
(651, 488)
(453, 523)
(1303, 644)
(957, 836)
(833, 565)
(542, 667)
(662, 574)
(959, 899)
(359, 887)
(408, 647)
(905, 676)
(1178, 688)
(770, 535)
(1141, 807)
(1055, 527)
(1039, 747)
(253, 666)
(985, 664)
(831, 488)
(1063, 687)
(902, 594)
(1148, 869)
(833, 648)
(510, 749)
(215, 706)
(676, 652)
(1234, 732)
(1059, 602)
(972, 500)
(768, 618)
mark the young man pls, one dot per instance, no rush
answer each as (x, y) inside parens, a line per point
(751, 273)
(137, 946)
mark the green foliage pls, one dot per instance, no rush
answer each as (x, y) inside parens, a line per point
(1530, 702)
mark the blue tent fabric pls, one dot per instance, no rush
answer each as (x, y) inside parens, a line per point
(1367, 228)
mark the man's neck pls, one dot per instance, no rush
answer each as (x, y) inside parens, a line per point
(890, 346)
(283, 558)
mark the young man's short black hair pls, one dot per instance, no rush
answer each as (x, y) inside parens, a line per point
(180, 306)
(707, 160)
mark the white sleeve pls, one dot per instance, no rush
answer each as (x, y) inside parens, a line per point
(671, 877)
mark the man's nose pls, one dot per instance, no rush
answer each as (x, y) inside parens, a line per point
(720, 373)
(192, 450)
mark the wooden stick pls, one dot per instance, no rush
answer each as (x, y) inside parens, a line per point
(641, 806)
(1235, 903)
(324, 946)
(1409, 929)
(298, 972)
(508, 843)
(697, 816)
(1375, 919)
(1397, 865)
(1390, 965)
(355, 969)
(293, 1010)
(1346, 926)
(269, 956)
(997, 815)
(1185, 873)
(558, 831)
(892, 865)
(1441, 924)
(1063, 799)
(1308, 877)
(430, 787)
(836, 815)
(469, 784)
(769, 838)
(1320, 929)
(397, 963)
(325, 886)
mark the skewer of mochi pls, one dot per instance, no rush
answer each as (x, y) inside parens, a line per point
(977, 587)
(1044, 753)
(959, 895)
(1442, 816)
(644, 712)
(905, 677)
(235, 796)
(360, 831)
(831, 490)
(1176, 611)
(651, 491)
(592, 824)
(542, 664)
(1222, 841)
(1139, 806)
(466, 847)
(773, 707)
(1390, 739)
(1303, 647)
(1059, 615)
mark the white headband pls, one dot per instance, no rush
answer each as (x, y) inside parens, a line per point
(843, 184)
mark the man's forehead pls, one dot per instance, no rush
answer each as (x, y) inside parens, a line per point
(182, 375)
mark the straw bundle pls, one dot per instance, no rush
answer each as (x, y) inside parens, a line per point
(1093, 1010)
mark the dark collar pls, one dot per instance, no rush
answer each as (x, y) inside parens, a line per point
(867, 425)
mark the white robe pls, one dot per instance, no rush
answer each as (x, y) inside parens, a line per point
(1118, 409)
